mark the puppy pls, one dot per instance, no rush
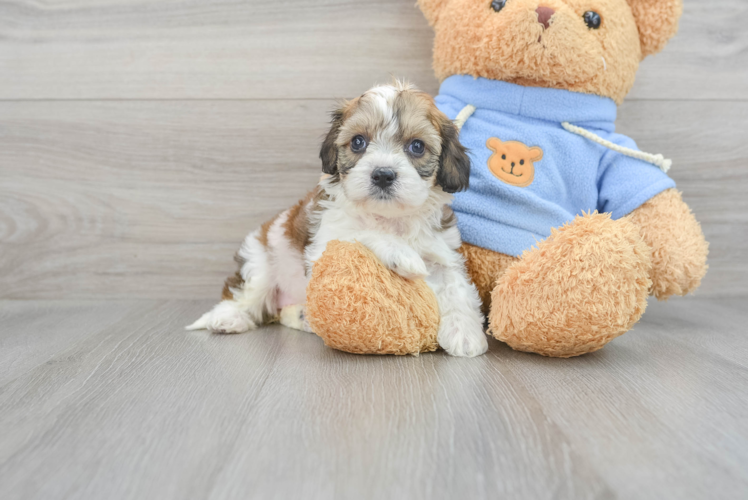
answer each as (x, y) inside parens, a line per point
(392, 159)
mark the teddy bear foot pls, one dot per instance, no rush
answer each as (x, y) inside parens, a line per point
(582, 287)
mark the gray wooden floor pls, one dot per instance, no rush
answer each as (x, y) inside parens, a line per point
(112, 400)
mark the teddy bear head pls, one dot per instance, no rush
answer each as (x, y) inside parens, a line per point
(591, 46)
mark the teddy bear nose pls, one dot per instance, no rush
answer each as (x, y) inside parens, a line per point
(544, 16)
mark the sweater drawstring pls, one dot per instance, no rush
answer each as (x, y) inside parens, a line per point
(658, 160)
(463, 116)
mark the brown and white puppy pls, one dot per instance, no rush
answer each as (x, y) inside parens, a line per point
(392, 160)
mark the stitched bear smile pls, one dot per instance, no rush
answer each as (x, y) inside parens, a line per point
(512, 172)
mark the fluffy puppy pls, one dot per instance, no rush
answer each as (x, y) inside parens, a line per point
(392, 159)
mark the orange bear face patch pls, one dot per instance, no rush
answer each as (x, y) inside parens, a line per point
(513, 162)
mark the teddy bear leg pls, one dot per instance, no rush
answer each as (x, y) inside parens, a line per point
(580, 288)
(484, 268)
(678, 247)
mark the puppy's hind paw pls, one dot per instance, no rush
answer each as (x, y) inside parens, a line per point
(225, 317)
(295, 317)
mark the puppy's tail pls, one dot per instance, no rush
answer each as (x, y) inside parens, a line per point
(201, 324)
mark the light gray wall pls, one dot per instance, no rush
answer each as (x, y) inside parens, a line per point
(140, 141)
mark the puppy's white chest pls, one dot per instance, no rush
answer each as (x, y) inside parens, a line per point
(396, 227)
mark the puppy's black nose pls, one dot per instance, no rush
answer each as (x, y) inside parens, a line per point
(383, 177)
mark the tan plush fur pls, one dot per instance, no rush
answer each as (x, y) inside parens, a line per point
(473, 39)
(657, 21)
(677, 244)
(580, 288)
(485, 268)
(588, 282)
(357, 305)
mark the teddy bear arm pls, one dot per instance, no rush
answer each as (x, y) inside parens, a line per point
(355, 304)
(678, 247)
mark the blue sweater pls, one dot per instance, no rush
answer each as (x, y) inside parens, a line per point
(528, 174)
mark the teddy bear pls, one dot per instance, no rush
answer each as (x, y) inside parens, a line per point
(567, 227)
(513, 162)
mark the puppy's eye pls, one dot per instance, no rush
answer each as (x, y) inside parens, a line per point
(417, 148)
(497, 5)
(358, 144)
(592, 20)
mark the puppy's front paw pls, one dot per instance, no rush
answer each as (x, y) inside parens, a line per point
(464, 339)
(225, 317)
(409, 265)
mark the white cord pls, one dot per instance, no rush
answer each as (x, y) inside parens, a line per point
(657, 160)
(463, 116)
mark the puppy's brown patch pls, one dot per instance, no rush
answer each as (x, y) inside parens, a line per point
(454, 163)
(235, 281)
(263, 236)
(296, 228)
(449, 220)
(329, 151)
(414, 111)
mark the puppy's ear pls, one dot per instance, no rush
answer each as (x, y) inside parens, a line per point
(329, 152)
(657, 21)
(454, 163)
(431, 9)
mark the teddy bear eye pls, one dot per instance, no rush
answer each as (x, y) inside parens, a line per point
(592, 20)
(522, 162)
(503, 157)
(497, 5)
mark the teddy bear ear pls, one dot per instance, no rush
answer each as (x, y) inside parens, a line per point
(431, 9)
(494, 144)
(657, 21)
(536, 154)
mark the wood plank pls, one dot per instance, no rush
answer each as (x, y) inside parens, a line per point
(140, 199)
(151, 199)
(710, 155)
(655, 396)
(34, 337)
(707, 59)
(193, 49)
(142, 409)
(142, 391)
(205, 50)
